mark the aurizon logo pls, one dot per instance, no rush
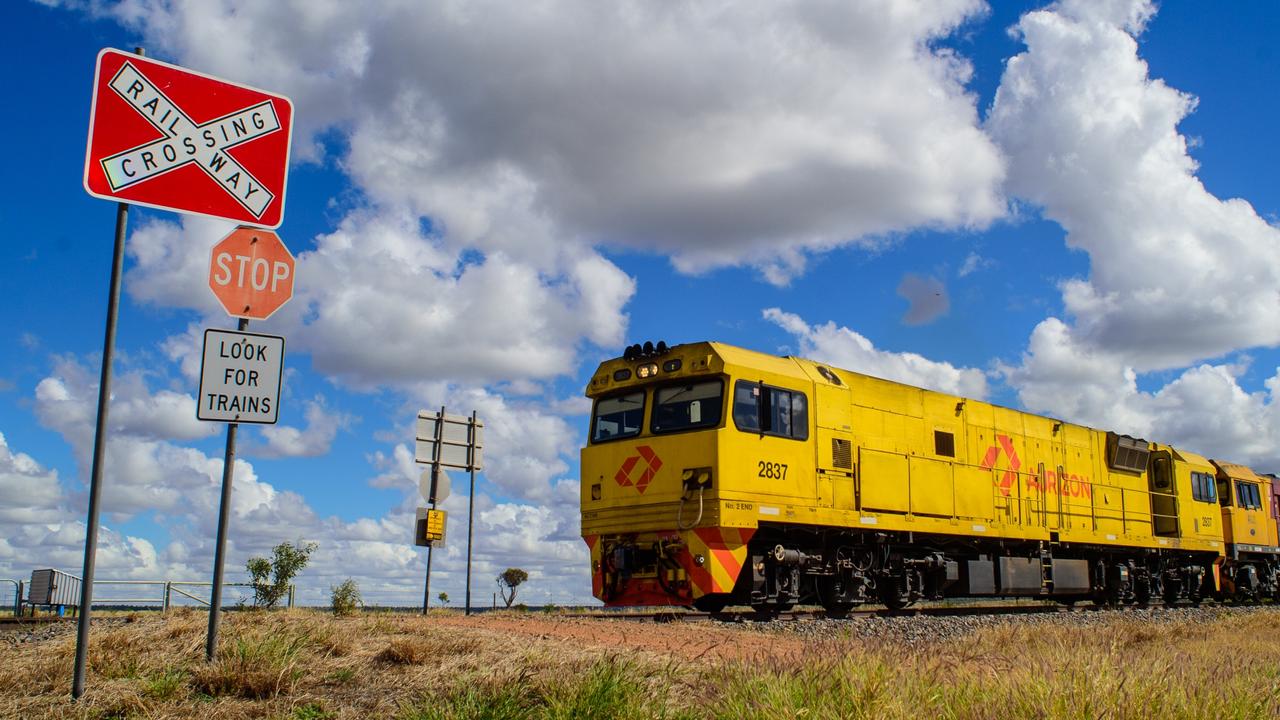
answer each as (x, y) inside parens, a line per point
(1015, 463)
(639, 469)
(1067, 484)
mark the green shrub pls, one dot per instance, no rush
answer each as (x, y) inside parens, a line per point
(345, 598)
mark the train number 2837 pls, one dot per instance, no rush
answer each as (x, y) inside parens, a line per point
(772, 470)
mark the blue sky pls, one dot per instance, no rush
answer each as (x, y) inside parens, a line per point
(1070, 209)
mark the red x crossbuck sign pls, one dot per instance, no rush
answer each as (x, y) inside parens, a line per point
(167, 137)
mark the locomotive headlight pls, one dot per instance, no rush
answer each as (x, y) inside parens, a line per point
(699, 560)
(647, 371)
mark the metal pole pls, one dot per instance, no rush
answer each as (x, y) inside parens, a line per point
(99, 453)
(224, 517)
(435, 479)
(471, 505)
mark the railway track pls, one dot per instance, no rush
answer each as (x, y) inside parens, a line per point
(747, 615)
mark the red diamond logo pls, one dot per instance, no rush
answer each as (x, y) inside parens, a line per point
(1006, 482)
(639, 470)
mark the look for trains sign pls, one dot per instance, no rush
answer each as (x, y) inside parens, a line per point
(167, 137)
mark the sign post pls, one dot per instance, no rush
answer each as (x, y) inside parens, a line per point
(99, 451)
(450, 441)
(251, 274)
(170, 138)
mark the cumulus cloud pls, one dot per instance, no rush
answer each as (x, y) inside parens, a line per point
(312, 441)
(719, 134)
(1176, 274)
(150, 472)
(1204, 409)
(846, 349)
(926, 298)
(29, 493)
(380, 302)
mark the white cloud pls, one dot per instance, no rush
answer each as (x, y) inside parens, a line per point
(379, 302)
(312, 441)
(179, 487)
(1177, 275)
(721, 134)
(846, 349)
(973, 262)
(29, 493)
(1204, 409)
(926, 297)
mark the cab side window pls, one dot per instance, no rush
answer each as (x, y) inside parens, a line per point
(767, 410)
(1203, 487)
(1248, 495)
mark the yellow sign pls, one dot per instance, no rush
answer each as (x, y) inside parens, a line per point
(430, 527)
(435, 524)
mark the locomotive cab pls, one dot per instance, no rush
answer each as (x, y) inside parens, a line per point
(681, 441)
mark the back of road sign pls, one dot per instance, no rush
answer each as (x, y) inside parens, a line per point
(164, 136)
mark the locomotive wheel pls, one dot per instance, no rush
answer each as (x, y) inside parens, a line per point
(892, 598)
(1142, 594)
(831, 592)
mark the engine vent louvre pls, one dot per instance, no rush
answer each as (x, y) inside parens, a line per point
(842, 453)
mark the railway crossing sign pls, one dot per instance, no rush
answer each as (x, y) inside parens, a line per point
(251, 273)
(240, 377)
(167, 137)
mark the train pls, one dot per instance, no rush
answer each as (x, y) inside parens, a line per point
(717, 476)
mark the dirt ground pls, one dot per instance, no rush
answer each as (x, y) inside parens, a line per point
(684, 640)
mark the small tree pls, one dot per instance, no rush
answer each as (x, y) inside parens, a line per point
(271, 578)
(346, 598)
(509, 580)
(444, 598)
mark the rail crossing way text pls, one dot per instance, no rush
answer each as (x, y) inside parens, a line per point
(240, 377)
(184, 142)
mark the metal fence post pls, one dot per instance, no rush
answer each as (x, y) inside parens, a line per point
(167, 588)
(18, 600)
(291, 589)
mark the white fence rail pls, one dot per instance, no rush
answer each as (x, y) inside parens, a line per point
(161, 593)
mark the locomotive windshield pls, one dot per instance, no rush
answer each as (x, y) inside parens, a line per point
(688, 406)
(618, 417)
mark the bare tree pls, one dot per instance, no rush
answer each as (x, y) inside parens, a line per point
(508, 581)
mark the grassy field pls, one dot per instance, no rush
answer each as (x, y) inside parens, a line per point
(308, 665)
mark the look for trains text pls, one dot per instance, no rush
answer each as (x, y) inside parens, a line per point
(240, 378)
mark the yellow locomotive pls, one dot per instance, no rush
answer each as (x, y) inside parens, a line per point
(715, 475)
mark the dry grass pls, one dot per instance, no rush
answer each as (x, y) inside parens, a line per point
(309, 665)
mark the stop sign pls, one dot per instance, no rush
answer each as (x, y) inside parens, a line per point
(251, 273)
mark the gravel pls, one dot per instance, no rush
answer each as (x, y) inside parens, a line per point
(922, 630)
